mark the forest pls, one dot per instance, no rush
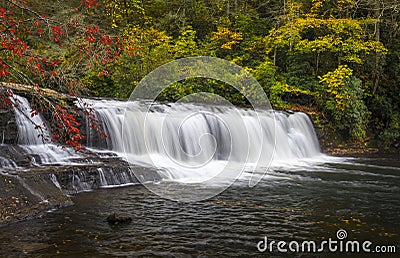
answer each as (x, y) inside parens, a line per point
(339, 58)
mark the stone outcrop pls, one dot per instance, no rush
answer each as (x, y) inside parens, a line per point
(27, 196)
(28, 193)
(8, 126)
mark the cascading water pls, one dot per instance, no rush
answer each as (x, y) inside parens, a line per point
(27, 134)
(32, 134)
(194, 141)
(33, 150)
(185, 142)
(7, 163)
(295, 134)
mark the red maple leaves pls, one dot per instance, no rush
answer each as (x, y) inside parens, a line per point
(67, 128)
(22, 28)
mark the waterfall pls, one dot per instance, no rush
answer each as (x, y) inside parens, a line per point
(186, 139)
(27, 134)
(295, 135)
(182, 141)
(33, 140)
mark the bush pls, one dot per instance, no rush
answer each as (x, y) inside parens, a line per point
(390, 137)
(342, 97)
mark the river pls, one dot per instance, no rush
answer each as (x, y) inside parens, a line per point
(361, 196)
(304, 194)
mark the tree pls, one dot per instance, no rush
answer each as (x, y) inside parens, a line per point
(41, 50)
(322, 40)
(315, 31)
(342, 97)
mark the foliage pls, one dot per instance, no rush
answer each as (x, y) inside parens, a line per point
(390, 137)
(225, 38)
(341, 55)
(342, 96)
(186, 44)
(183, 89)
(124, 12)
(341, 39)
(24, 57)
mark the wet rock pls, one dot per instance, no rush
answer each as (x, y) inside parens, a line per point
(26, 195)
(15, 155)
(8, 126)
(116, 218)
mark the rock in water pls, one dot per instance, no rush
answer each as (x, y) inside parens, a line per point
(116, 218)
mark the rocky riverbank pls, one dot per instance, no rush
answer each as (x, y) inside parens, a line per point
(28, 195)
(29, 190)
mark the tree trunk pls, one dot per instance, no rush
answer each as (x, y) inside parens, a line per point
(376, 71)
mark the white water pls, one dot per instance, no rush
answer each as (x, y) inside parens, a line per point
(27, 134)
(7, 163)
(193, 143)
(110, 179)
(187, 142)
(34, 140)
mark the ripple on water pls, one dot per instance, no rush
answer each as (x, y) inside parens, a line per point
(290, 205)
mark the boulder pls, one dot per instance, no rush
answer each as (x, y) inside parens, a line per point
(116, 218)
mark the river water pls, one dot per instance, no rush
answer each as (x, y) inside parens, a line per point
(303, 203)
(304, 195)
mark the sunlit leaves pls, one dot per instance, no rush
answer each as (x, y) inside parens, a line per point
(334, 82)
(186, 45)
(342, 95)
(122, 11)
(227, 38)
(344, 37)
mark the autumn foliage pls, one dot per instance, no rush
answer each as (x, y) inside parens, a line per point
(25, 34)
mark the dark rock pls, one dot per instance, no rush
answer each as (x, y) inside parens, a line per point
(26, 195)
(116, 218)
(8, 126)
(29, 192)
(17, 155)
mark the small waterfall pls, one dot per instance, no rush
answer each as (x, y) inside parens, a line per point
(108, 178)
(7, 163)
(81, 181)
(33, 140)
(27, 133)
(53, 179)
(87, 178)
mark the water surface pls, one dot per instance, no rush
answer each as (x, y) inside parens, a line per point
(299, 203)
